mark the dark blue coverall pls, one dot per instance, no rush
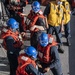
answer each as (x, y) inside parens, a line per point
(12, 54)
(30, 69)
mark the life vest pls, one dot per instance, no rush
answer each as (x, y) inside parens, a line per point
(18, 42)
(32, 19)
(23, 61)
(44, 53)
(66, 11)
(73, 3)
(55, 16)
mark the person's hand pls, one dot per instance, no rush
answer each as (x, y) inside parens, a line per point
(46, 69)
(69, 12)
(62, 29)
(22, 47)
(22, 14)
(39, 65)
(23, 34)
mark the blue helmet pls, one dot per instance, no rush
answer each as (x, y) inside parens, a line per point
(12, 23)
(35, 6)
(31, 51)
(43, 39)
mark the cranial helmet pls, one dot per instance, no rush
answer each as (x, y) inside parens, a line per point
(44, 39)
(31, 51)
(35, 6)
(12, 23)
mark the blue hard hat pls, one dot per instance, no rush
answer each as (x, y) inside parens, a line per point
(43, 39)
(31, 51)
(12, 23)
(35, 6)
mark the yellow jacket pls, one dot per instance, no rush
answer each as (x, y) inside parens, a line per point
(66, 11)
(55, 15)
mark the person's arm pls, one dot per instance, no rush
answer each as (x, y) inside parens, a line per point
(55, 57)
(40, 27)
(35, 26)
(30, 69)
(47, 10)
(46, 23)
(62, 20)
(62, 24)
(40, 24)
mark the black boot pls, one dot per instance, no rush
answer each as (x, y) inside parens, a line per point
(68, 42)
(60, 49)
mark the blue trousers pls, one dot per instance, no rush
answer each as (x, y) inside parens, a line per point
(57, 31)
(67, 30)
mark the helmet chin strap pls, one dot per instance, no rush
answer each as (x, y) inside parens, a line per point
(14, 30)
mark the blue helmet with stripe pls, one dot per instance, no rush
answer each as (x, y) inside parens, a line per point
(35, 6)
(31, 51)
(43, 39)
(12, 23)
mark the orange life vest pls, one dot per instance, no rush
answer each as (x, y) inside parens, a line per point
(32, 18)
(73, 3)
(23, 61)
(44, 52)
(18, 43)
